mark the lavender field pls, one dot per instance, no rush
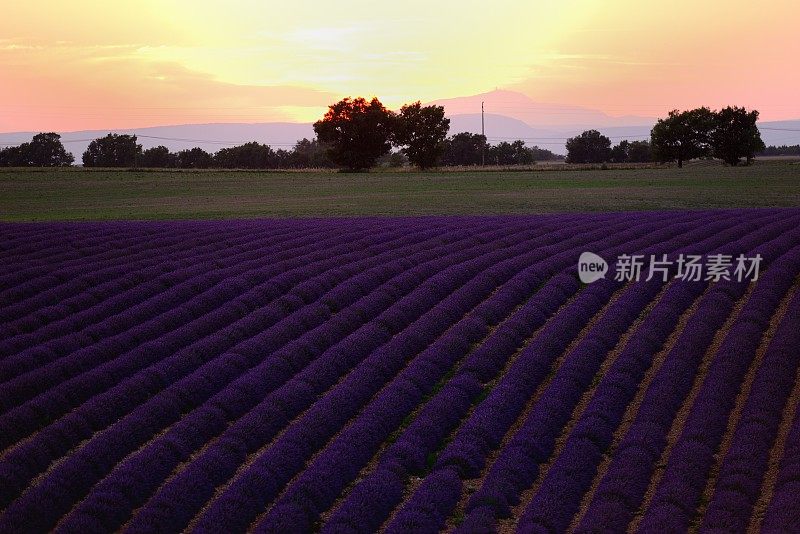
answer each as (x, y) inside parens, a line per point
(398, 375)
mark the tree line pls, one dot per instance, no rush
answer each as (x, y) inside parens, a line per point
(355, 134)
(124, 151)
(116, 150)
(467, 149)
(44, 150)
(729, 134)
(359, 132)
(783, 150)
(593, 147)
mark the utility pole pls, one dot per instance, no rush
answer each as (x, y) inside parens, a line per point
(483, 133)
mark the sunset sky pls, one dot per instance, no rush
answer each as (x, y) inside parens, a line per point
(83, 64)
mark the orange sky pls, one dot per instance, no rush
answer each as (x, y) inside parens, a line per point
(85, 64)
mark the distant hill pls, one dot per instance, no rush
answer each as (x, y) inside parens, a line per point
(209, 137)
(545, 125)
(537, 114)
(500, 128)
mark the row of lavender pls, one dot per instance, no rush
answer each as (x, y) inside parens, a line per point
(516, 468)
(442, 267)
(283, 375)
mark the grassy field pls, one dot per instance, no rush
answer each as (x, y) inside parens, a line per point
(76, 194)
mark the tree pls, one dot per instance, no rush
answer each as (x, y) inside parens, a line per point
(682, 136)
(542, 154)
(631, 152)
(522, 154)
(357, 132)
(463, 149)
(159, 157)
(12, 156)
(310, 154)
(251, 155)
(619, 153)
(394, 159)
(505, 153)
(195, 158)
(113, 151)
(421, 130)
(639, 152)
(282, 159)
(783, 150)
(589, 147)
(44, 150)
(501, 154)
(735, 135)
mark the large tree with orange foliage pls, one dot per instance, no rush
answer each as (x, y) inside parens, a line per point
(357, 132)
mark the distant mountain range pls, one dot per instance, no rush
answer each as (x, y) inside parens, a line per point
(509, 116)
(209, 137)
(502, 128)
(537, 114)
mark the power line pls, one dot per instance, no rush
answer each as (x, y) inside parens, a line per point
(565, 138)
(211, 142)
(541, 140)
(179, 139)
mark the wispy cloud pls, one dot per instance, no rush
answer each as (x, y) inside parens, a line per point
(399, 56)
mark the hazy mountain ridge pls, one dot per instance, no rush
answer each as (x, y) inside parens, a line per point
(498, 127)
(538, 114)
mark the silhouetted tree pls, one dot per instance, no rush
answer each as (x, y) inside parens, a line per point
(631, 152)
(310, 154)
(589, 147)
(619, 152)
(783, 150)
(393, 159)
(542, 154)
(522, 154)
(283, 159)
(113, 150)
(505, 153)
(357, 132)
(195, 158)
(735, 135)
(463, 149)
(158, 157)
(251, 155)
(639, 152)
(396, 159)
(44, 150)
(500, 154)
(421, 131)
(12, 156)
(682, 136)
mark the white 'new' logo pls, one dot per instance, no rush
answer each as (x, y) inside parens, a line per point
(591, 267)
